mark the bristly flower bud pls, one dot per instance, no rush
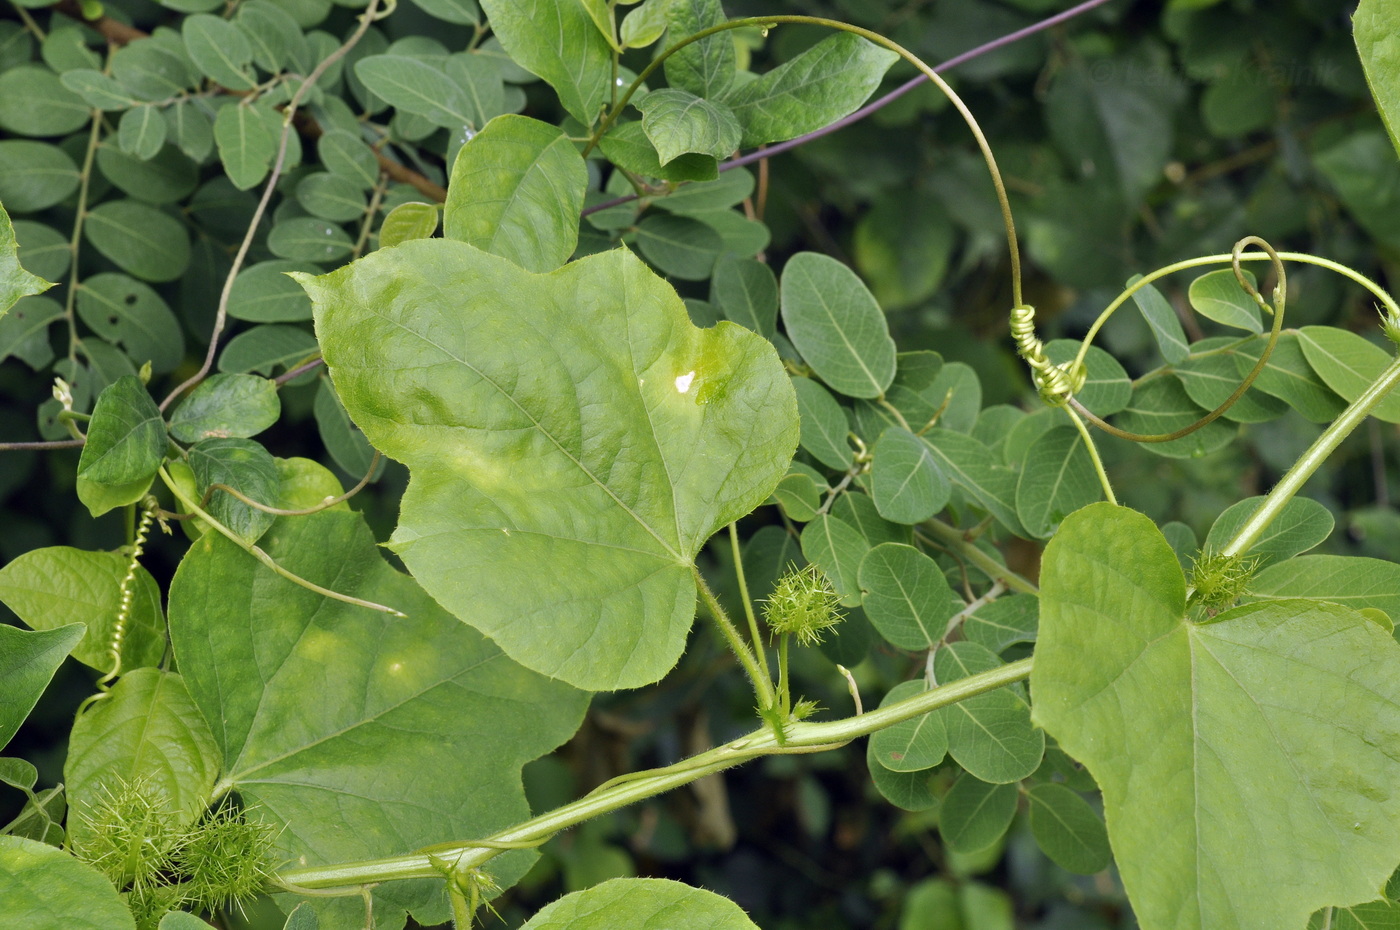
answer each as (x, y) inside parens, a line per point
(803, 604)
(1390, 325)
(1219, 580)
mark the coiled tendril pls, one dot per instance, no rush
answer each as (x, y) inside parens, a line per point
(1055, 383)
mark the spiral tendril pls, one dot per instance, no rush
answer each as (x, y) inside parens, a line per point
(149, 507)
(1055, 383)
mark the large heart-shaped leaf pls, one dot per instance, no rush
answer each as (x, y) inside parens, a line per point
(1247, 763)
(417, 729)
(572, 440)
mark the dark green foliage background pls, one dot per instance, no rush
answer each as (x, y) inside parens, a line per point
(1131, 137)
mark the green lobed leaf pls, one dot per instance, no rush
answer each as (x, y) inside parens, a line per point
(835, 323)
(990, 735)
(1057, 478)
(1290, 378)
(1217, 295)
(1352, 581)
(558, 42)
(1176, 719)
(823, 424)
(517, 189)
(821, 85)
(906, 596)
(245, 466)
(975, 814)
(28, 660)
(57, 587)
(1302, 524)
(1375, 25)
(15, 282)
(44, 887)
(225, 405)
(644, 903)
(1348, 364)
(413, 220)
(125, 446)
(677, 122)
(705, 68)
(426, 688)
(148, 731)
(1162, 319)
(910, 745)
(35, 175)
(531, 384)
(906, 482)
(1067, 829)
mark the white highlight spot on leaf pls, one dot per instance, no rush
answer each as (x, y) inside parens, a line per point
(683, 382)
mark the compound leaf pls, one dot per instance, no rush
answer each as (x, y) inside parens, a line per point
(1233, 755)
(575, 420)
(677, 122)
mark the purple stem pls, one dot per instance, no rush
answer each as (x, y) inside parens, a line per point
(889, 98)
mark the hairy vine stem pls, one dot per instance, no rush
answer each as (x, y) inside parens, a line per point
(800, 737)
